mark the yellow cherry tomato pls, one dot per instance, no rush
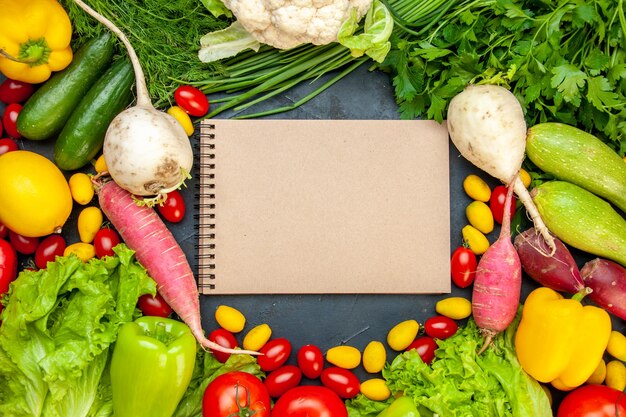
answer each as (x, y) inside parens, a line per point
(616, 375)
(100, 165)
(480, 216)
(257, 337)
(402, 334)
(456, 308)
(81, 188)
(84, 251)
(598, 376)
(230, 318)
(525, 177)
(617, 346)
(89, 222)
(374, 357)
(347, 357)
(476, 240)
(375, 389)
(476, 188)
(182, 117)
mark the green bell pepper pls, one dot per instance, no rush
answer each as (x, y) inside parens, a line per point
(400, 407)
(151, 367)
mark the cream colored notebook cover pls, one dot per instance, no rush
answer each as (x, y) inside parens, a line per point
(323, 206)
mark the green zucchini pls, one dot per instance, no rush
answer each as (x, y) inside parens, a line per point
(582, 219)
(82, 136)
(575, 156)
(47, 110)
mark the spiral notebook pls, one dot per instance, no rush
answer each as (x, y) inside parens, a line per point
(323, 207)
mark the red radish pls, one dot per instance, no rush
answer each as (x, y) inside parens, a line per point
(156, 249)
(498, 283)
(607, 280)
(558, 271)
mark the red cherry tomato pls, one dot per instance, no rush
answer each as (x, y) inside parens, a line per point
(225, 339)
(104, 242)
(343, 381)
(463, 265)
(8, 266)
(9, 119)
(7, 145)
(22, 244)
(49, 248)
(154, 306)
(274, 354)
(4, 231)
(192, 100)
(0, 126)
(282, 379)
(593, 401)
(440, 327)
(311, 361)
(309, 401)
(236, 393)
(425, 347)
(173, 209)
(14, 91)
(496, 203)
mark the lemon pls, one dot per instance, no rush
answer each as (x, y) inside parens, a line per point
(35, 198)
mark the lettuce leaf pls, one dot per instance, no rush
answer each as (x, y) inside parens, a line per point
(461, 383)
(57, 328)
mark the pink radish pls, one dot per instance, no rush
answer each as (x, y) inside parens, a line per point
(157, 250)
(498, 283)
(559, 271)
(607, 280)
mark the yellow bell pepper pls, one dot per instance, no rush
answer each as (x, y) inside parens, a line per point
(560, 341)
(35, 39)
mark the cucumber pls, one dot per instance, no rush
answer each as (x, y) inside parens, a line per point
(47, 110)
(582, 219)
(580, 158)
(82, 136)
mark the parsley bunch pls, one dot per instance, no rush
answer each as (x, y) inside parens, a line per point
(565, 60)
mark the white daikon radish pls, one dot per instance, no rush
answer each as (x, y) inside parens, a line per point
(486, 124)
(147, 151)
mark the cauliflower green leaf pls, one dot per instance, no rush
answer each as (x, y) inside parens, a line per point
(374, 40)
(226, 43)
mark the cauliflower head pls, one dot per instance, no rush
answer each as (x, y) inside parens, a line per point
(285, 24)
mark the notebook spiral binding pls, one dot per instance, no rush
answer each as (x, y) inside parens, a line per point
(205, 246)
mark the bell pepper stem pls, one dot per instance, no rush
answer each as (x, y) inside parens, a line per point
(33, 52)
(582, 294)
(10, 57)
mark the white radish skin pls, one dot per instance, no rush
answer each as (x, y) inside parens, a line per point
(147, 151)
(486, 124)
(133, 163)
(498, 283)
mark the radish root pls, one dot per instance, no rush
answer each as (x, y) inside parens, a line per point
(531, 209)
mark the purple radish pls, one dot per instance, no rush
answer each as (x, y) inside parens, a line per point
(498, 283)
(607, 280)
(558, 271)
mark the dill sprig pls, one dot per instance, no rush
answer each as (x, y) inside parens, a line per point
(165, 34)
